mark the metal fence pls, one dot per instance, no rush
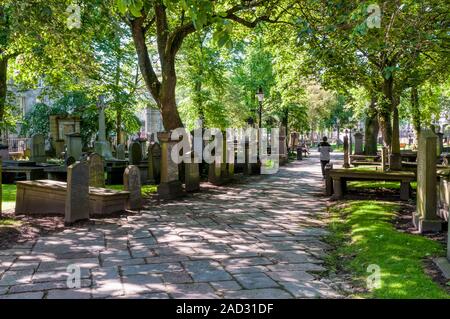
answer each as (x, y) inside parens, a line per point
(18, 144)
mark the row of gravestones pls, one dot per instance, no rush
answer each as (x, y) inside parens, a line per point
(81, 175)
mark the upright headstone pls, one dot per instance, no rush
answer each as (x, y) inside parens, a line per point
(358, 143)
(77, 197)
(150, 165)
(346, 153)
(1, 186)
(440, 144)
(192, 176)
(135, 153)
(156, 154)
(102, 146)
(132, 184)
(38, 148)
(96, 170)
(248, 165)
(120, 152)
(426, 219)
(384, 158)
(74, 145)
(170, 185)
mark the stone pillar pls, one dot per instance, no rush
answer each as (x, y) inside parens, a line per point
(359, 143)
(384, 158)
(328, 180)
(170, 186)
(102, 146)
(346, 153)
(96, 170)
(426, 219)
(77, 197)
(132, 184)
(440, 145)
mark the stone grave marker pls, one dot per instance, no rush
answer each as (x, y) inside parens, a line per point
(96, 170)
(170, 185)
(346, 153)
(77, 197)
(426, 219)
(74, 145)
(150, 165)
(120, 152)
(358, 143)
(38, 149)
(132, 184)
(135, 153)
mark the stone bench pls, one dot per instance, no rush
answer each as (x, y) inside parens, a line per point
(339, 178)
(49, 197)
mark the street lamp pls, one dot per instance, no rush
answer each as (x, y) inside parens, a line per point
(260, 97)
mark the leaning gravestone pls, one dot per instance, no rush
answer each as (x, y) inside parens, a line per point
(77, 197)
(96, 171)
(120, 152)
(38, 148)
(426, 219)
(132, 184)
(135, 153)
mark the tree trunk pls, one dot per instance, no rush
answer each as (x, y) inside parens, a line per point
(371, 130)
(415, 110)
(3, 87)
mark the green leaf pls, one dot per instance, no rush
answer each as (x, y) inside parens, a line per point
(122, 6)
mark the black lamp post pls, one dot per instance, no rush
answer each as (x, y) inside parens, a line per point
(260, 97)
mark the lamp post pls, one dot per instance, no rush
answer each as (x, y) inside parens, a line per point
(260, 97)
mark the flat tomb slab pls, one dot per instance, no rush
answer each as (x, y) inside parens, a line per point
(376, 175)
(49, 197)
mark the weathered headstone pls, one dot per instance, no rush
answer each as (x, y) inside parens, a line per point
(426, 219)
(440, 144)
(38, 148)
(346, 153)
(282, 146)
(74, 145)
(150, 164)
(135, 153)
(358, 143)
(156, 154)
(192, 176)
(120, 152)
(96, 170)
(132, 184)
(170, 185)
(384, 158)
(102, 146)
(248, 164)
(77, 198)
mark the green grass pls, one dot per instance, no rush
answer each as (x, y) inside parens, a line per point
(8, 196)
(377, 185)
(145, 189)
(364, 235)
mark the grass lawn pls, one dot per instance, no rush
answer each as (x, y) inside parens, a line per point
(363, 235)
(377, 185)
(145, 189)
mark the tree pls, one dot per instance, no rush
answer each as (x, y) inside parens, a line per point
(168, 23)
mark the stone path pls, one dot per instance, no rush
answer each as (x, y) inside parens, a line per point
(258, 239)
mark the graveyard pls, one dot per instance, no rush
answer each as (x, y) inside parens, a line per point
(224, 150)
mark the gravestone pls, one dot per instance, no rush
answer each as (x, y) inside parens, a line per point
(132, 184)
(384, 158)
(346, 153)
(96, 170)
(102, 146)
(282, 146)
(156, 161)
(192, 176)
(150, 164)
(135, 153)
(1, 188)
(77, 196)
(38, 149)
(426, 219)
(74, 145)
(120, 152)
(440, 144)
(359, 143)
(170, 185)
